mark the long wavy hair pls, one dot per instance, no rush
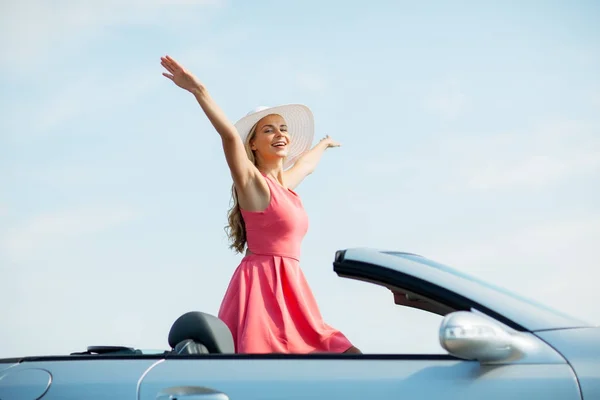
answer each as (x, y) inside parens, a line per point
(236, 228)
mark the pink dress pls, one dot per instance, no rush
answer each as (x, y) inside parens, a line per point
(268, 305)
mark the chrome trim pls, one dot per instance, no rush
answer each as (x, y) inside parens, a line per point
(49, 383)
(139, 382)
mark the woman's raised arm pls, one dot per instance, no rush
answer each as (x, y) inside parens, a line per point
(242, 170)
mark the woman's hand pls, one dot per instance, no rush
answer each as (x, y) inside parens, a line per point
(330, 142)
(180, 76)
(307, 162)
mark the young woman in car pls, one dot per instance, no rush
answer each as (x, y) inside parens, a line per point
(268, 305)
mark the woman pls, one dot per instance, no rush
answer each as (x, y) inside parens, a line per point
(268, 305)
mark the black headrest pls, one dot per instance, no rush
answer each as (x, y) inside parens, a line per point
(202, 328)
(188, 346)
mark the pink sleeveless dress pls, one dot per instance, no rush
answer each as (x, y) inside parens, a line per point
(268, 305)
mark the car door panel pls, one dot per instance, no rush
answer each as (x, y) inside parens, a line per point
(7, 365)
(92, 378)
(360, 378)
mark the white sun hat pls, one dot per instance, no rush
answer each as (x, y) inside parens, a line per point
(300, 123)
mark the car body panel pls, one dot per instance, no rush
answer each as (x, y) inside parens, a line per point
(90, 378)
(361, 378)
(7, 363)
(582, 349)
(413, 272)
(24, 383)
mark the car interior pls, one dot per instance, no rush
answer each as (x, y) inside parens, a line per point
(192, 333)
(196, 332)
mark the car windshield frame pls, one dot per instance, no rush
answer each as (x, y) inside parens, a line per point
(487, 285)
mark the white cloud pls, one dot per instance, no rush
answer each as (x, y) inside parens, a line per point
(552, 262)
(33, 29)
(89, 95)
(546, 155)
(533, 171)
(58, 29)
(551, 240)
(540, 156)
(110, 93)
(447, 100)
(52, 230)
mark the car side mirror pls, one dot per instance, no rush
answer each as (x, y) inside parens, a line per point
(471, 336)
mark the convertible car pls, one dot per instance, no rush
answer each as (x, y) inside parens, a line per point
(499, 346)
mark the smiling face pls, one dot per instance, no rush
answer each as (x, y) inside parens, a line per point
(271, 140)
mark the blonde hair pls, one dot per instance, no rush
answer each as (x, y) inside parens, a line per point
(236, 228)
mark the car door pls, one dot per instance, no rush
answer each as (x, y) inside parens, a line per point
(74, 377)
(544, 374)
(352, 377)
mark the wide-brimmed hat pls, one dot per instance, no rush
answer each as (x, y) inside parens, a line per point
(300, 123)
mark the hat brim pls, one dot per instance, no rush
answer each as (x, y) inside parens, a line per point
(300, 123)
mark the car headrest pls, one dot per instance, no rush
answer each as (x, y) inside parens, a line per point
(202, 328)
(188, 346)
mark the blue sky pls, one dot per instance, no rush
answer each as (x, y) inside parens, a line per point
(470, 134)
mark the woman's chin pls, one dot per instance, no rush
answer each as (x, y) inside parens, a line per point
(281, 153)
(275, 156)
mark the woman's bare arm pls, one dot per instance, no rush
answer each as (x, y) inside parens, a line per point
(242, 170)
(306, 164)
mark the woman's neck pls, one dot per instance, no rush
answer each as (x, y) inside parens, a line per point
(274, 171)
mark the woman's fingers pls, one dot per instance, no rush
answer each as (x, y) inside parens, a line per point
(172, 60)
(174, 69)
(168, 61)
(167, 66)
(173, 63)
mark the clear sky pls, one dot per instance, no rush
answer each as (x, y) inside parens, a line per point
(470, 134)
